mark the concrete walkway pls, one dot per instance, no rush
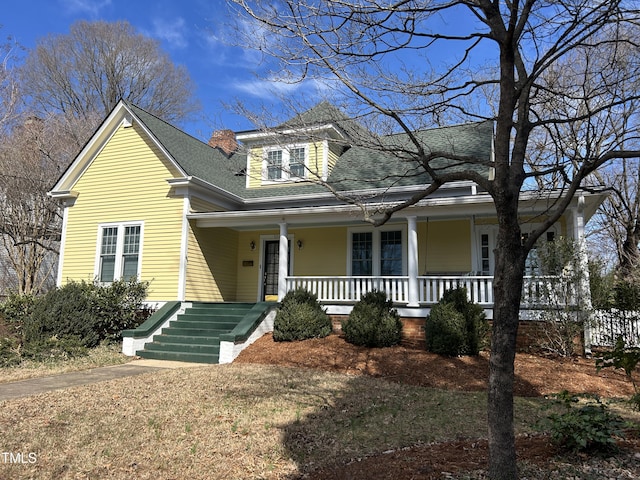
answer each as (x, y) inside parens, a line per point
(33, 386)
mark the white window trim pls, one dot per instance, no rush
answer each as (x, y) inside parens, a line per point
(119, 248)
(491, 231)
(376, 239)
(286, 174)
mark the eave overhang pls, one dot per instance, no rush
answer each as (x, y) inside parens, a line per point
(532, 203)
(194, 186)
(257, 136)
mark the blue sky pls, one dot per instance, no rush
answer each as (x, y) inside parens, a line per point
(194, 33)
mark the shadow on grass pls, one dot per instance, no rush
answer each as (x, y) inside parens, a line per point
(392, 398)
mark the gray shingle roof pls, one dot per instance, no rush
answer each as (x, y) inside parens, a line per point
(195, 157)
(363, 168)
(357, 168)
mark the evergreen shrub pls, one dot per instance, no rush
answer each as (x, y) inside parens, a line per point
(585, 425)
(299, 317)
(64, 313)
(86, 312)
(373, 322)
(456, 326)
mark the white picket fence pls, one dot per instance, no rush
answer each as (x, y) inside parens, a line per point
(608, 325)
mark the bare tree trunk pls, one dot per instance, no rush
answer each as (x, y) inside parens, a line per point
(630, 254)
(509, 271)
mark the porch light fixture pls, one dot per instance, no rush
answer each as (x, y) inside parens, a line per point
(252, 245)
(299, 243)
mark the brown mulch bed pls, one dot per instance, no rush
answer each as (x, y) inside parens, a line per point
(535, 376)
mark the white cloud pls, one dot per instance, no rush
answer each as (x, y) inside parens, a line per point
(267, 89)
(174, 32)
(91, 7)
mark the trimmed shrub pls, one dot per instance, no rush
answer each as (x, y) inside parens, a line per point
(62, 313)
(373, 322)
(455, 325)
(300, 317)
(445, 330)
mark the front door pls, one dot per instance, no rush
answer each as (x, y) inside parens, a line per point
(271, 266)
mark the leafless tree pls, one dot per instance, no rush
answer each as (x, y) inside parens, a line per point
(618, 220)
(86, 72)
(428, 63)
(29, 220)
(9, 96)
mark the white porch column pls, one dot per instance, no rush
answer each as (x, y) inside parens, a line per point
(584, 294)
(283, 262)
(412, 261)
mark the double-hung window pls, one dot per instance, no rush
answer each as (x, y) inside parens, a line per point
(118, 252)
(377, 252)
(284, 163)
(296, 162)
(274, 164)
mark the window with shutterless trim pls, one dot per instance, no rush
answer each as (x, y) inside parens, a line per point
(377, 252)
(284, 163)
(119, 252)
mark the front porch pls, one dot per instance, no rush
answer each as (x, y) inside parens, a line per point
(414, 258)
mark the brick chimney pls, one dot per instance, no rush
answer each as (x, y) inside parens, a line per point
(225, 140)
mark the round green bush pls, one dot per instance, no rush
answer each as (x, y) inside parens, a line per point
(300, 317)
(445, 330)
(456, 326)
(373, 322)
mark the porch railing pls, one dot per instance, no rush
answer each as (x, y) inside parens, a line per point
(330, 289)
(351, 289)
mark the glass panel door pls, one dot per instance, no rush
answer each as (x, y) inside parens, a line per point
(271, 265)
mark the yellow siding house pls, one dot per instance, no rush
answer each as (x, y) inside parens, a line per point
(251, 215)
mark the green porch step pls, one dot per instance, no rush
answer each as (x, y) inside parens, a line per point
(162, 346)
(179, 356)
(195, 335)
(208, 323)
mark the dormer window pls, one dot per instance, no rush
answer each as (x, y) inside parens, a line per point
(274, 165)
(284, 163)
